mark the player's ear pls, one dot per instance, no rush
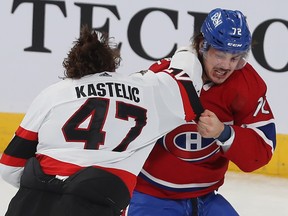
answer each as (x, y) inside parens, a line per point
(201, 47)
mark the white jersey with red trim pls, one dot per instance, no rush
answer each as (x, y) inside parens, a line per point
(108, 120)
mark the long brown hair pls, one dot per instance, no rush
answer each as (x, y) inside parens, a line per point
(92, 53)
(196, 43)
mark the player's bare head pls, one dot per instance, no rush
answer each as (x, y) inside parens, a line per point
(92, 53)
(224, 30)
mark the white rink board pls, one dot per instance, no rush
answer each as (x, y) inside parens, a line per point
(25, 73)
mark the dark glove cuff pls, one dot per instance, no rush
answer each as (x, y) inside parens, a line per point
(225, 135)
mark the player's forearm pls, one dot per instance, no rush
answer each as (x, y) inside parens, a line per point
(251, 150)
(11, 174)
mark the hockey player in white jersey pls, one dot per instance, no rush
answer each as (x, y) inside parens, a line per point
(84, 139)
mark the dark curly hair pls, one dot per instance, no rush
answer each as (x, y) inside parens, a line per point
(197, 40)
(92, 53)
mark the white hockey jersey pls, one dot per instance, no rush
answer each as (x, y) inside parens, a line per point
(106, 120)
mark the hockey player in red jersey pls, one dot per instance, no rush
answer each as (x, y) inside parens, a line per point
(187, 166)
(84, 140)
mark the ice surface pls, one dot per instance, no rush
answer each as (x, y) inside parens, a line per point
(250, 194)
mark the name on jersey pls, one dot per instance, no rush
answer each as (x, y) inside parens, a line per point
(108, 89)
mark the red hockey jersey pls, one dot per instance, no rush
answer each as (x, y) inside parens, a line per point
(184, 165)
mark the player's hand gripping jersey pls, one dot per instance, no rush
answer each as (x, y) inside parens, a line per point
(106, 120)
(185, 165)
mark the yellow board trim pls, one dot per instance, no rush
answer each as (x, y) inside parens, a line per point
(9, 122)
(278, 166)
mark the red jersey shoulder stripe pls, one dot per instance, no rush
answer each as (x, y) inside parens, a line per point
(26, 134)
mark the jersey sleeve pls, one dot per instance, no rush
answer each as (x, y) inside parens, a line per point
(186, 72)
(254, 127)
(24, 142)
(186, 60)
(160, 65)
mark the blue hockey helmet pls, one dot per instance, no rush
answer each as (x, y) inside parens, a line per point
(227, 31)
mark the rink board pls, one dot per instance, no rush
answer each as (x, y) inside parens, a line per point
(278, 166)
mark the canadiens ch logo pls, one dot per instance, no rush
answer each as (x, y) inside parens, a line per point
(188, 145)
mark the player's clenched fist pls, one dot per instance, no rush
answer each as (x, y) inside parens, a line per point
(209, 126)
